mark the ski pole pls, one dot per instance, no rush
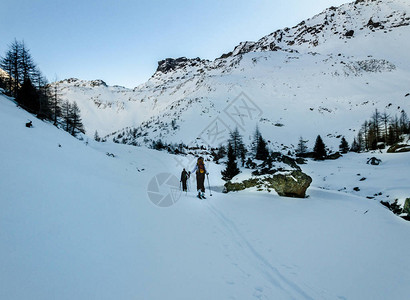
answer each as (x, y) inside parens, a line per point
(209, 186)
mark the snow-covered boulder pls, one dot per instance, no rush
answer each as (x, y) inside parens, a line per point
(293, 184)
(278, 172)
(286, 184)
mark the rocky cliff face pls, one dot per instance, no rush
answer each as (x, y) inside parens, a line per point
(170, 64)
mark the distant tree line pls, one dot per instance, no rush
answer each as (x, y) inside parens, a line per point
(24, 81)
(381, 130)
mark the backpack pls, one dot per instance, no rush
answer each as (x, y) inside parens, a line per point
(201, 165)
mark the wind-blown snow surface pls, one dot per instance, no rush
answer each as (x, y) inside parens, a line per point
(306, 80)
(78, 224)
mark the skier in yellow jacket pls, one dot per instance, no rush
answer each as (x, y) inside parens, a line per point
(200, 172)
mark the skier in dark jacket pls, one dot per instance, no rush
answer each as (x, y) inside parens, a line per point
(200, 172)
(184, 178)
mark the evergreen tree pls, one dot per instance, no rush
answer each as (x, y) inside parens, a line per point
(45, 104)
(28, 68)
(262, 151)
(259, 147)
(28, 98)
(385, 117)
(344, 146)
(360, 141)
(55, 105)
(355, 146)
(221, 152)
(255, 141)
(320, 149)
(66, 115)
(391, 137)
(236, 140)
(231, 169)
(301, 147)
(375, 126)
(396, 132)
(24, 80)
(404, 122)
(242, 154)
(12, 63)
(365, 129)
(96, 136)
(76, 122)
(19, 65)
(372, 137)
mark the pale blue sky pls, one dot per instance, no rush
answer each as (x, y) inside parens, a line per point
(121, 41)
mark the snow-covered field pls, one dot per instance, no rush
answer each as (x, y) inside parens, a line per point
(76, 223)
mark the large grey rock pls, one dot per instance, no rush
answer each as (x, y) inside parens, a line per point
(292, 184)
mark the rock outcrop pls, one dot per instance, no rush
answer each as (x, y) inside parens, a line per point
(286, 184)
(399, 148)
(294, 184)
(171, 64)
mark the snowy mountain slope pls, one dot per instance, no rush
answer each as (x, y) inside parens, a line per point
(315, 78)
(76, 223)
(307, 94)
(102, 105)
(329, 30)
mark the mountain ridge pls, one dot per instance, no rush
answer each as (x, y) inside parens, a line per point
(288, 39)
(322, 65)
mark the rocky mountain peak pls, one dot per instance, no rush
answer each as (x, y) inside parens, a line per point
(344, 22)
(83, 83)
(171, 64)
(98, 82)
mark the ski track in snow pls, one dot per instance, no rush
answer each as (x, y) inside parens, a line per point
(268, 271)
